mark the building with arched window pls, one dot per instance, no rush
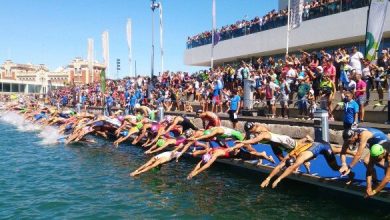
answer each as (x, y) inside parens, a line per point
(30, 78)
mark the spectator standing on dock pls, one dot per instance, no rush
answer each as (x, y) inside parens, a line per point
(360, 95)
(351, 110)
(234, 108)
(356, 59)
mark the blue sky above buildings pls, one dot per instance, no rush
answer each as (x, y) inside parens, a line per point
(54, 32)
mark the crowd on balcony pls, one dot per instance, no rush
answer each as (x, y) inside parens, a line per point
(308, 81)
(274, 19)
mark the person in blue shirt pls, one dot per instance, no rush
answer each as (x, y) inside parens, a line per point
(234, 108)
(64, 100)
(109, 103)
(351, 111)
(133, 101)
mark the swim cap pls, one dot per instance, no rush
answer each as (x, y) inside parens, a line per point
(139, 125)
(200, 111)
(169, 119)
(154, 127)
(206, 132)
(138, 117)
(121, 118)
(248, 126)
(348, 134)
(376, 150)
(206, 157)
(160, 142)
(189, 133)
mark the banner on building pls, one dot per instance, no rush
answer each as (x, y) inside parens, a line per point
(375, 22)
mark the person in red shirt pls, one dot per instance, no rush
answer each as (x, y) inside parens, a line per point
(360, 94)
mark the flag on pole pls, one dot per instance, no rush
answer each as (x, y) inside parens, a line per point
(103, 80)
(375, 21)
(161, 38)
(215, 35)
(106, 50)
(90, 57)
(296, 11)
(128, 31)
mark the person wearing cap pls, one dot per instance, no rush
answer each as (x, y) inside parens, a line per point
(145, 111)
(183, 121)
(300, 155)
(279, 143)
(209, 156)
(379, 155)
(156, 161)
(365, 138)
(211, 118)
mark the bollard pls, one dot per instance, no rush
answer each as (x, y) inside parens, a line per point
(321, 126)
(248, 94)
(160, 110)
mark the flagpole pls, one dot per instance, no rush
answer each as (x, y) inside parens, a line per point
(288, 27)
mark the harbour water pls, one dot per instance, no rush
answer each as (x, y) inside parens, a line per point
(43, 180)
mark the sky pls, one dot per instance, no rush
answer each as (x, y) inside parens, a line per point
(54, 32)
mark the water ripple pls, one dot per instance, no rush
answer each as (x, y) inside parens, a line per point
(92, 182)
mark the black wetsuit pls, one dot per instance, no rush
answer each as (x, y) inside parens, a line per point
(187, 124)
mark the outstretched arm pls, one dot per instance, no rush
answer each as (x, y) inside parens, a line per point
(383, 183)
(207, 136)
(255, 140)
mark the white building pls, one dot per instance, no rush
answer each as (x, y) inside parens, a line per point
(29, 78)
(332, 31)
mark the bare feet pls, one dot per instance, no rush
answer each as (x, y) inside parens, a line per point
(271, 159)
(351, 177)
(307, 166)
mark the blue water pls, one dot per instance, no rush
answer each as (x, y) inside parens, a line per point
(41, 181)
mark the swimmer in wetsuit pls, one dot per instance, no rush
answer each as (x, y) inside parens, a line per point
(279, 143)
(365, 138)
(302, 154)
(155, 161)
(380, 156)
(212, 154)
(220, 133)
(179, 120)
(163, 143)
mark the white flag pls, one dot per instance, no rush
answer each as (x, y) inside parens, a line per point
(128, 31)
(296, 10)
(376, 19)
(91, 58)
(161, 38)
(106, 51)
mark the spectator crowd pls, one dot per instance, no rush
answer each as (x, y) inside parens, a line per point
(274, 19)
(308, 81)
